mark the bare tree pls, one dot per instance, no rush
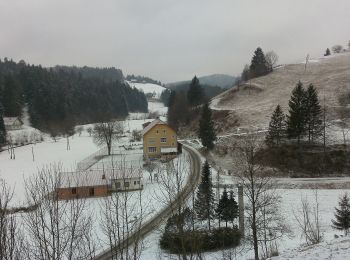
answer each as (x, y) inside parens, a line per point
(56, 229)
(308, 219)
(271, 59)
(79, 129)
(265, 222)
(344, 115)
(107, 132)
(10, 247)
(173, 181)
(337, 48)
(122, 219)
(90, 130)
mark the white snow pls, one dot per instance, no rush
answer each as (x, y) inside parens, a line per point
(148, 88)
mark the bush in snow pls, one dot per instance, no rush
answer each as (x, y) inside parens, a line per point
(337, 48)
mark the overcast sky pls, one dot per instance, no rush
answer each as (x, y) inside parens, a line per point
(169, 40)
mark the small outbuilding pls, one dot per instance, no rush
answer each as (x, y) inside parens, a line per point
(98, 183)
(13, 123)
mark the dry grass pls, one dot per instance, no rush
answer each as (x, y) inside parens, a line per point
(255, 100)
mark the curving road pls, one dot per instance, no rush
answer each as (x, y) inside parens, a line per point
(166, 212)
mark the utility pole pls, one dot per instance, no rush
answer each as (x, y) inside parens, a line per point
(241, 209)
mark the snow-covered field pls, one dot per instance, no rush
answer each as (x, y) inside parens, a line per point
(290, 205)
(148, 88)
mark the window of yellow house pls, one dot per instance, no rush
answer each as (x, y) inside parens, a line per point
(152, 149)
(163, 140)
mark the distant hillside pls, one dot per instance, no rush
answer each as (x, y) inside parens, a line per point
(220, 80)
(210, 91)
(142, 79)
(215, 80)
(150, 89)
(254, 101)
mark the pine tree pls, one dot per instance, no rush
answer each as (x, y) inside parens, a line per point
(277, 127)
(245, 73)
(195, 94)
(313, 114)
(206, 128)
(2, 127)
(342, 215)
(222, 207)
(12, 97)
(328, 52)
(204, 203)
(296, 120)
(258, 66)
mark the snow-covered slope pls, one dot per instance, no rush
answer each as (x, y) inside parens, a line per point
(148, 88)
(337, 249)
(254, 101)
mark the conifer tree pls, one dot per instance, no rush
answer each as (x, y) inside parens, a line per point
(296, 120)
(204, 203)
(227, 209)
(258, 66)
(342, 215)
(206, 128)
(277, 127)
(313, 114)
(328, 52)
(222, 207)
(2, 127)
(195, 94)
(12, 97)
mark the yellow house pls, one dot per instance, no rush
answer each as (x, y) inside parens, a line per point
(159, 140)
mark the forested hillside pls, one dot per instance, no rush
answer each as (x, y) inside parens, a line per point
(60, 97)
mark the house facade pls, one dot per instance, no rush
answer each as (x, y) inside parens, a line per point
(159, 140)
(12, 123)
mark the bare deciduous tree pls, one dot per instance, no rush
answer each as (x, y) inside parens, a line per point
(107, 132)
(271, 59)
(122, 219)
(308, 219)
(265, 222)
(10, 247)
(337, 48)
(56, 229)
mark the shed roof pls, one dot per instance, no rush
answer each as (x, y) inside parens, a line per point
(96, 177)
(11, 120)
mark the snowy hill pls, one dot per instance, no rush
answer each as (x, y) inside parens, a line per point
(254, 101)
(335, 249)
(147, 88)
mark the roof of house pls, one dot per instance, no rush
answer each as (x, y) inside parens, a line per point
(11, 120)
(95, 177)
(152, 124)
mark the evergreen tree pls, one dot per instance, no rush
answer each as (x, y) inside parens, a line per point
(258, 66)
(204, 203)
(12, 97)
(227, 209)
(222, 207)
(313, 114)
(245, 73)
(277, 127)
(342, 215)
(206, 128)
(328, 52)
(195, 94)
(296, 120)
(2, 127)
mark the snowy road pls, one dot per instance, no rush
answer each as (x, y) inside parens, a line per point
(152, 224)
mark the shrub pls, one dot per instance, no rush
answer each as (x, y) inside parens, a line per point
(202, 240)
